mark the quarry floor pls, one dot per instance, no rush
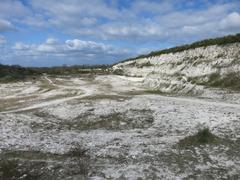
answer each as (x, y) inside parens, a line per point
(110, 127)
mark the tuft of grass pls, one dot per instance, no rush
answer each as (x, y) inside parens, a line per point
(118, 72)
(15, 169)
(77, 151)
(146, 64)
(8, 169)
(155, 91)
(203, 136)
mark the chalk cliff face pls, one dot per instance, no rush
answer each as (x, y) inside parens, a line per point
(189, 71)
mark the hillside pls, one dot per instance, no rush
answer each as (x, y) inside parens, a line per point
(203, 43)
(189, 69)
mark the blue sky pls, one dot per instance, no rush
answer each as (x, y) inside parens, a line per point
(56, 32)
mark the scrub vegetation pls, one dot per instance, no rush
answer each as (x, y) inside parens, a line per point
(203, 136)
(16, 73)
(231, 81)
(208, 42)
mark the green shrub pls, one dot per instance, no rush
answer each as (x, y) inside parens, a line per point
(118, 72)
(146, 64)
(77, 151)
(203, 136)
(229, 81)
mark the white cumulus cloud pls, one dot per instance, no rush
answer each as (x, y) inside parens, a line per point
(73, 47)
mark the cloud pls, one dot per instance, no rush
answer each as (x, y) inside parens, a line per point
(2, 40)
(231, 21)
(20, 46)
(97, 8)
(6, 25)
(73, 48)
(36, 20)
(72, 51)
(130, 31)
(12, 8)
(74, 14)
(152, 7)
(87, 46)
(136, 20)
(146, 20)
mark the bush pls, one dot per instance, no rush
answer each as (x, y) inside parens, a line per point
(230, 81)
(118, 72)
(77, 151)
(146, 64)
(203, 136)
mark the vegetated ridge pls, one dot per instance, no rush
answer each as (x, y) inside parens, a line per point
(188, 69)
(203, 43)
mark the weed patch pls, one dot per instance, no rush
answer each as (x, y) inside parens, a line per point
(203, 136)
(229, 81)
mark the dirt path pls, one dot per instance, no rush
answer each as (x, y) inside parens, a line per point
(87, 91)
(95, 88)
(49, 80)
(201, 101)
(44, 104)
